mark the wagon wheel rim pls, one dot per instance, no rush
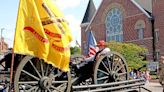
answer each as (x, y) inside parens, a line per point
(42, 77)
(111, 67)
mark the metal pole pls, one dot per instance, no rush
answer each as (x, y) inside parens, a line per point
(153, 40)
(1, 38)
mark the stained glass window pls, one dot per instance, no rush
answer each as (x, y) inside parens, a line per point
(113, 23)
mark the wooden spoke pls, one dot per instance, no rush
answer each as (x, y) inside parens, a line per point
(56, 89)
(117, 79)
(48, 90)
(74, 79)
(31, 89)
(30, 75)
(62, 86)
(47, 68)
(35, 68)
(105, 67)
(116, 64)
(112, 65)
(103, 72)
(109, 63)
(102, 78)
(28, 82)
(106, 81)
(36, 90)
(58, 82)
(124, 73)
(41, 66)
(113, 62)
(122, 66)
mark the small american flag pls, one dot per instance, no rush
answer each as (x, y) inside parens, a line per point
(77, 43)
(91, 44)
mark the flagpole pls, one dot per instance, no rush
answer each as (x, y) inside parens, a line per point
(11, 71)
(12, 59)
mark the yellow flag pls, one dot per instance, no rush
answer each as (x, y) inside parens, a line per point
(43, 32)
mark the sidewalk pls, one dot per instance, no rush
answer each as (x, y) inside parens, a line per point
(153, 86)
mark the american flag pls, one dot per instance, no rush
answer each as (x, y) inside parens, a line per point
(77, 43)
(91, 44)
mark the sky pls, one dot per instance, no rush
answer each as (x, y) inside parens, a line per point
(73, 10)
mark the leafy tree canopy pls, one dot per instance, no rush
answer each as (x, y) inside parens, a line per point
(133, 53)
(75, 50)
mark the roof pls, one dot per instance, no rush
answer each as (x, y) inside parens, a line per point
(146, 12)
(146, 4)
(89, 13)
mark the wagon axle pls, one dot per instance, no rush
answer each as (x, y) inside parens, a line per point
(45, 82)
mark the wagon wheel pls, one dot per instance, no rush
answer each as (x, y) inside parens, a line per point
(34, 75)
(111, 67)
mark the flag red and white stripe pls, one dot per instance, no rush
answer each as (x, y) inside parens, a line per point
(91, 44)
(92, 50)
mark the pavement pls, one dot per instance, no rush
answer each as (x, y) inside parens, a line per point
(153, 86)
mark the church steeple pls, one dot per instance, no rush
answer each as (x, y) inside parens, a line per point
(90, 11)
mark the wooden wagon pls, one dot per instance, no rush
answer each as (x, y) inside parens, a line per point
(34, 75)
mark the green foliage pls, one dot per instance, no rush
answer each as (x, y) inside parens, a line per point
(75, 50)
(131, 52)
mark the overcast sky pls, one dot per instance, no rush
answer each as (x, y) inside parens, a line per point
(73, 10)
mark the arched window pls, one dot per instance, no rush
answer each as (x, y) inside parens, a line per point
(114, 26)
(139, 27)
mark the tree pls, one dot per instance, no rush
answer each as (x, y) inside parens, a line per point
(133, 53)
(75, 50)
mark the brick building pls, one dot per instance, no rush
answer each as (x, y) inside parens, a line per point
(135, 21)
(3, 46)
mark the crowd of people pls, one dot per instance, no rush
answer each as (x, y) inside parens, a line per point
(138, 74)
(161, 72)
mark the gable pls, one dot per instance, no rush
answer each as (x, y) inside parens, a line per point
(127, 6)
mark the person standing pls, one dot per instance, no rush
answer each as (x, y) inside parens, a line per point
(161, 71)
(85, 68)
(147, 75)
(101, 49)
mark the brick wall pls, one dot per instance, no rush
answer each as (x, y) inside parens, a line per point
(158, 12)
(131, 14)
(3, 46)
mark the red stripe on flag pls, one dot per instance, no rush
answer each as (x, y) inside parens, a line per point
(92, 51)
(37, 35)
(91, 54)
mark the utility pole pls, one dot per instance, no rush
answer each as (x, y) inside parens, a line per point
(1, 38)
